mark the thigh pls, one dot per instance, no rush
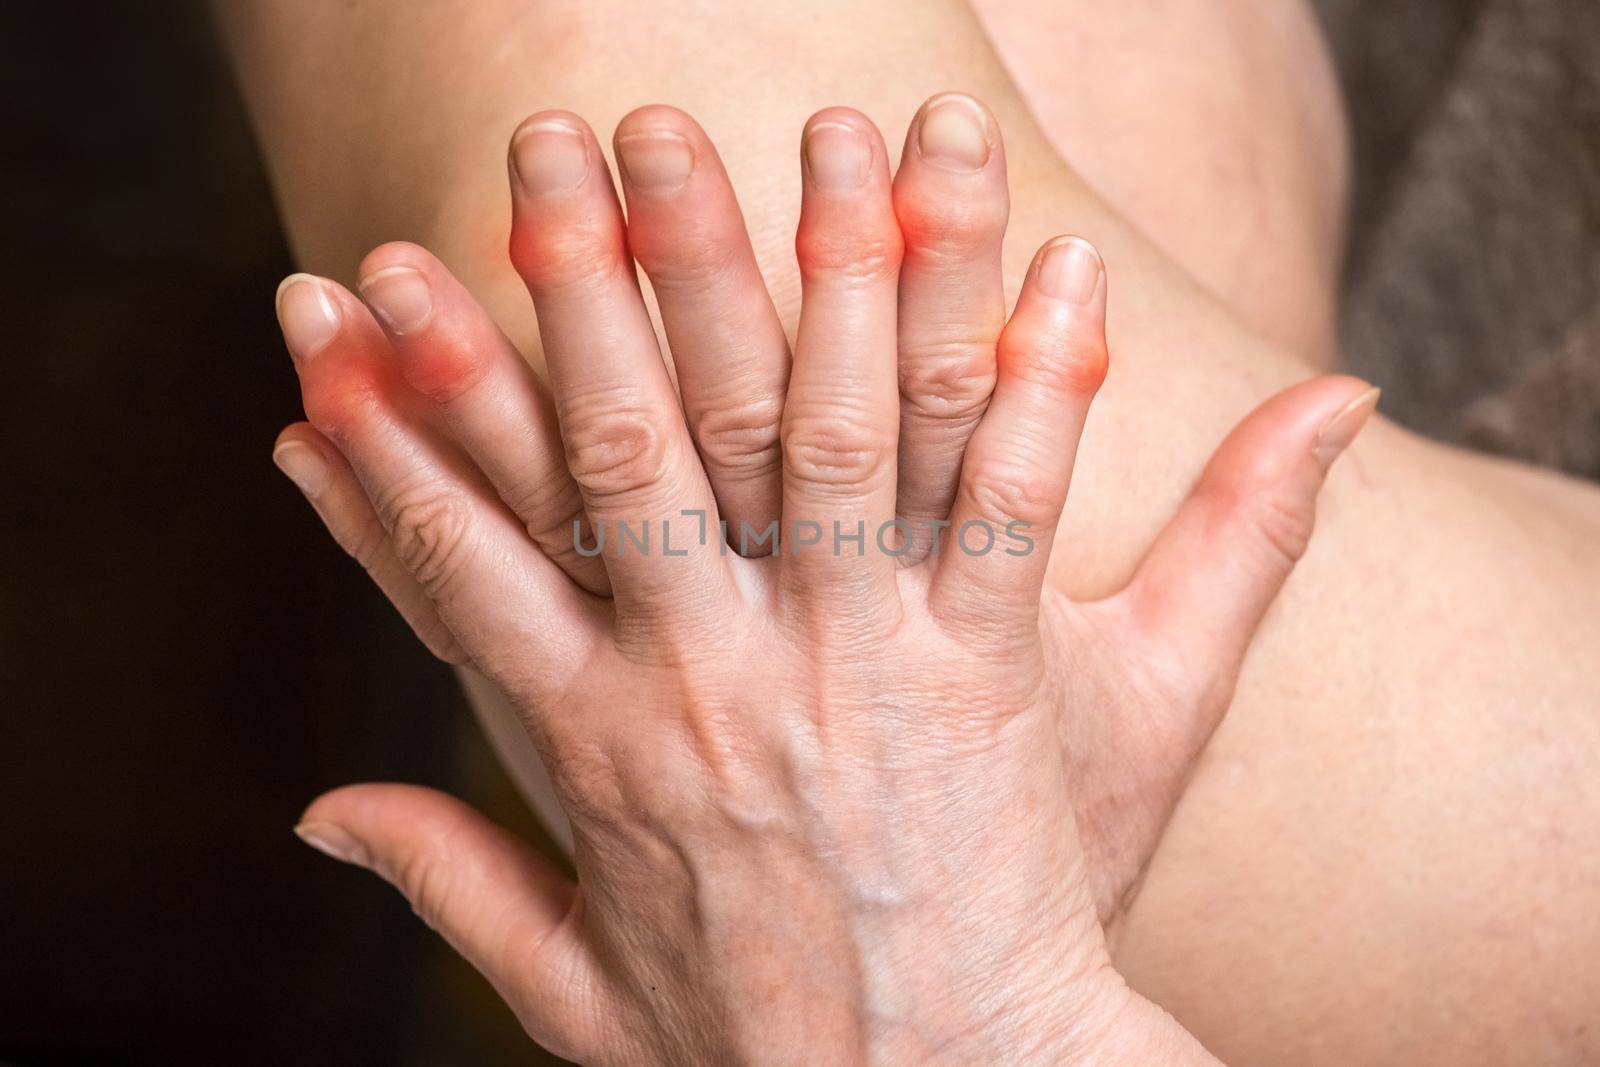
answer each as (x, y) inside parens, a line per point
(1212, 126)
(1215, 126)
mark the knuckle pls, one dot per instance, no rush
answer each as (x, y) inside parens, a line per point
(430, 887)
(1003, 495)
(560, 537)
(540, 498)
(835, 451)
(1074, 366)
(429, 531)
(394, 254)
(558, 258)
(341, 404)
(685, 258)
(948, 379)
(616, 447)
(1282, 526)
(852, 254)
(587, 778)
(741, 439)
(941, 227)
(444, 368)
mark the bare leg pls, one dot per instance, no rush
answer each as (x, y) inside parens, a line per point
(1423, 704)
(1224, 140)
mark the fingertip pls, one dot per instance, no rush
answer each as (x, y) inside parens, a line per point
(361, 808)
(297, 433)
(659, 118)
(1069, 270)
(300, 457)
(1341, 428)
(1317, 418)
(334, 841)
(557, 119)
(841, 151)
(308, 314)
(395, 254)
(552, 152)
(377, 824)
(657, 149)
(954, 132)
(843, 116)
(400, 296)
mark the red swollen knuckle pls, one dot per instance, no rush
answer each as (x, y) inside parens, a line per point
(559, 258)
(340, 403)
(860, 255)
(1075, 367)
(941, 227)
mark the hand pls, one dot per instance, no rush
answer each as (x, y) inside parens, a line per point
(819, 799)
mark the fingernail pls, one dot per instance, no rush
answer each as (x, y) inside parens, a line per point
(657, 161)
(333, 841)
(304, 467)
(550, 157)
(1342, 428)
(954, 134)
(838, 156)
(399, 296)
(306, 313)
(1070, 270)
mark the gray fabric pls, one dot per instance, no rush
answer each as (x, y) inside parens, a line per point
(1473, 286)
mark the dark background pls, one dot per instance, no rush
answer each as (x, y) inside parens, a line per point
(186, 659)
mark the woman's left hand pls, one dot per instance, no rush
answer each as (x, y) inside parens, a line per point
(819, 800)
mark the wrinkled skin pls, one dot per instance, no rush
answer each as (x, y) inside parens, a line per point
(827, 806)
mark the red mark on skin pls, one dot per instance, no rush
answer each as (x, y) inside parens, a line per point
(343, 392)
(555, 253)
(864, 245)
(1062, 352)
(442, 367)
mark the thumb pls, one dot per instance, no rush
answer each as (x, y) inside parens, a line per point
(502, 906)
(1214, 571)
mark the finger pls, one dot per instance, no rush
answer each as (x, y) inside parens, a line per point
(1052, 358)
(509, 607)
(840, 417)
(1211, 575)
(626, 443)
(728, 346)
(451, 353)
(950, 197)
(504, 908)
(330, 486)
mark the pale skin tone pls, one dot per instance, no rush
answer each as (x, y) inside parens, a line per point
(819, 808)
(1406, 777)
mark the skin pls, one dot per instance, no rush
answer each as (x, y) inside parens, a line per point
(765, 857)
(1405, 781)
